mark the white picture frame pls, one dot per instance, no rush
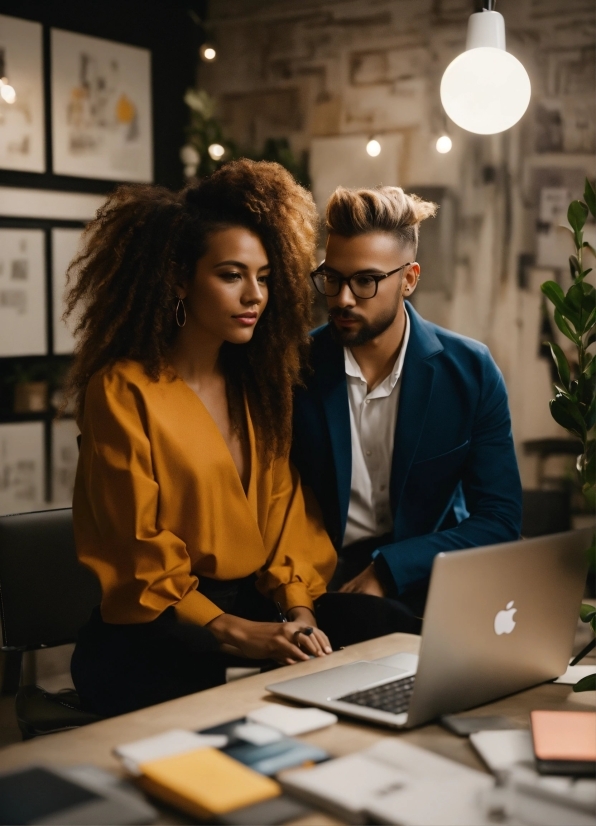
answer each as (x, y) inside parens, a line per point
(65, 456)
(65, 245)
(23, 327)
(22, 467)
(101, 108)
(22, 123)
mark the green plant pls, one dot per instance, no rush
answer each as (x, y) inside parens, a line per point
(205, 130)
(574, 405)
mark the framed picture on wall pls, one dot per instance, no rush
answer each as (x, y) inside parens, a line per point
(22, 467)
(22, 134)
(101, 108)
(23, 330)
(65, 244)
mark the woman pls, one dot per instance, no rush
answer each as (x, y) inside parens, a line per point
(185, 505)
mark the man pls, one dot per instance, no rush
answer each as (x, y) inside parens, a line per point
(403, 430)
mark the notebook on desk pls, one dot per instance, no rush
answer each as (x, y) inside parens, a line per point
(499, 619)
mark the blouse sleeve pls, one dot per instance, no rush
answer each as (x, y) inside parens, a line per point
(302, 559)
(143, 569)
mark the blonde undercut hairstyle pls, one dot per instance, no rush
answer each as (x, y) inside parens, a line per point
(389, 209)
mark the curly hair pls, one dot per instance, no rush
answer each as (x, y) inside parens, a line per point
(145, 239)
(353, 212)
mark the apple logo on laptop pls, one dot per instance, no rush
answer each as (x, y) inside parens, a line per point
(504, 622)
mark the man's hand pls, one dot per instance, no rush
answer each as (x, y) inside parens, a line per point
(365, 583)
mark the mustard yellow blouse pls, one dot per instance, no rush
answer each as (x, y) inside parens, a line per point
(158, 503)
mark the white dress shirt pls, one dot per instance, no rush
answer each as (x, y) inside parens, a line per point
(373, 417)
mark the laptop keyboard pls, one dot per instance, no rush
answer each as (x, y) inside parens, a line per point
(393, 697)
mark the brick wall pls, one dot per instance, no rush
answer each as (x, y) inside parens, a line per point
(330, 74)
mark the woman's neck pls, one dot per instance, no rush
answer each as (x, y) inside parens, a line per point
(195, 357)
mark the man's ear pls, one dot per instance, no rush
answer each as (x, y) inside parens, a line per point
(410, 279)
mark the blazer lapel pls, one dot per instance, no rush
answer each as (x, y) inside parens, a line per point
(331, 377)
(414, 399)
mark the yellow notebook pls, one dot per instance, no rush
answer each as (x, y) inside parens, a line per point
(205, 782)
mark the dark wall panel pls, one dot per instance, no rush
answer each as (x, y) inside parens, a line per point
(165, 27)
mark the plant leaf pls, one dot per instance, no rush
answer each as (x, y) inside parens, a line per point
(586, 683)
(580, 302)
(590, 197)
(561, 362)
(574, 267)
(589, 246)
(586, 612)
(554, 294)
(590, 417)
(565, 328)
(577, 215)
(566, 413)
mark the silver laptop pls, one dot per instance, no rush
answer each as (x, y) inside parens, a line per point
(498, 619)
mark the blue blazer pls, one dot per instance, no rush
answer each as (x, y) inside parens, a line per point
(454, 480)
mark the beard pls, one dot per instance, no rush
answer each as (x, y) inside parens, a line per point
(367, 331)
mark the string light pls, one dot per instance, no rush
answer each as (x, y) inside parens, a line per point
(7, 92)
(444, 144)
(208, 52)
(216, 151)
(373, 147)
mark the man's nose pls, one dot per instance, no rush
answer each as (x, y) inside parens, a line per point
(345, 297)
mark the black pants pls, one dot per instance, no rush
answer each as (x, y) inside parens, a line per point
(354, 558)
(121, 668)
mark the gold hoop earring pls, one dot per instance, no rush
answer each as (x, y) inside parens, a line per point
(177, 313)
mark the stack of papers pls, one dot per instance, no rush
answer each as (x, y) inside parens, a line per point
(394, 782)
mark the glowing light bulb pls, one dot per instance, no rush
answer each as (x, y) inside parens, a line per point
(208, 52)
(444, 144)
(216, 151)
(8, 93)
(373, 147)
(485, 89)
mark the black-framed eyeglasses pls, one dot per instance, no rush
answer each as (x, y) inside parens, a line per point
(362, 284)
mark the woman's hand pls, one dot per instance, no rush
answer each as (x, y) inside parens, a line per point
(285, 642)
(318, 639)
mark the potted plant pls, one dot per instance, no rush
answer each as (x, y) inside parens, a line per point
(574, 404)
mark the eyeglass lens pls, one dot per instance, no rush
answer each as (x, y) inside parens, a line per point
(363, 286)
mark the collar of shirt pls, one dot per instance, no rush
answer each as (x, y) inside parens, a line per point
(386, 386)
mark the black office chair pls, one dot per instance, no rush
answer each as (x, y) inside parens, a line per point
(545, 512)
(46, 595)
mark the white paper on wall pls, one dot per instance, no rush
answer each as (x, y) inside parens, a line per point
(22, 467)
(65, 244)
(343, 161)
(22, 293)
(101, 108)
(22, 134)
(65, 455)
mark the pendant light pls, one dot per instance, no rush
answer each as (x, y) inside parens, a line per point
(485, 89)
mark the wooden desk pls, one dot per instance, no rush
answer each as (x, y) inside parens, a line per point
(94, 744)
